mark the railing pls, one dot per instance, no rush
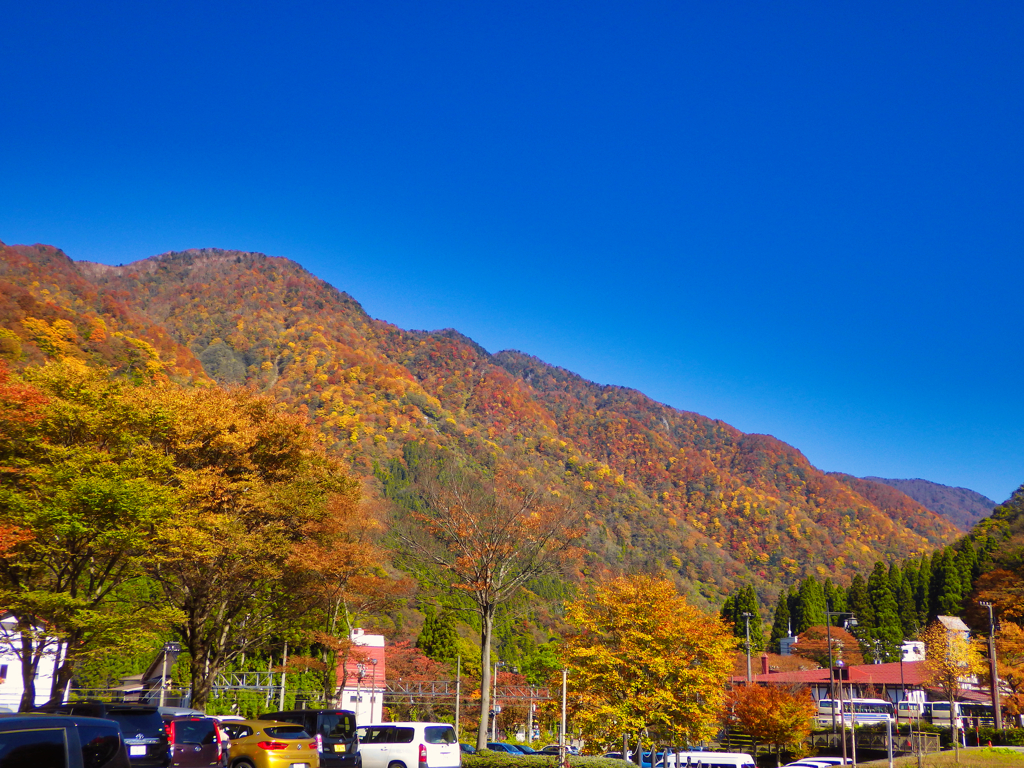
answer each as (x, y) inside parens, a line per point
(433, 690)
(927, 743)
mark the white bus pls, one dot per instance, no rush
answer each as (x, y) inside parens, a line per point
(971, 714)
(857, 712)
(708, 760)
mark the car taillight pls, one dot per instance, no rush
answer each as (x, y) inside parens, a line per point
(272, 745)
(170, 732)
(221, 738)
(319, 742)
(314, 745)
(423, 753)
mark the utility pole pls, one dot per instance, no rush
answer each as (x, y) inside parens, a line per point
(458, 692)
(563, 760)
(993, 665)
(284, 667)
(373, 691)
(746, 618)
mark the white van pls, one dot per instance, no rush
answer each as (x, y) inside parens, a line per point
(708, 760)
(409, 745)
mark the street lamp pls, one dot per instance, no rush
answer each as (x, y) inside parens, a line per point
(851, 622)
(746, 618)
(993, 664)
(168, 648)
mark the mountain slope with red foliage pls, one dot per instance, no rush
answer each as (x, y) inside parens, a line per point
(664, 489)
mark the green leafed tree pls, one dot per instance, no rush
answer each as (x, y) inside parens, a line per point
(88, 479)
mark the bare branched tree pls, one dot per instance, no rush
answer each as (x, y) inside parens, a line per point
(487, 539)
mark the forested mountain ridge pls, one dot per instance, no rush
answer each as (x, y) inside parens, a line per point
(961, 506)
(663, 488)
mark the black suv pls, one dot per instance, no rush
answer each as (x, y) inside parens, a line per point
(54, 741)
(334, 731)
(142, 726)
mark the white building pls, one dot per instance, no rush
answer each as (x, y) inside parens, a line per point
(362, 677)
(11, 685)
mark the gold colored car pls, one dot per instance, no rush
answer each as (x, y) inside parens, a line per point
(269, 744)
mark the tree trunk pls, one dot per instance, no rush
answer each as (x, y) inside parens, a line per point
(486, 632)
(29, 665)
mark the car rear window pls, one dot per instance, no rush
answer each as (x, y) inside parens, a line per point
(286, 732)
(339, 725)
(32, 748)
(99, 744)
(194, 732)
(439, 734)
(148, 724)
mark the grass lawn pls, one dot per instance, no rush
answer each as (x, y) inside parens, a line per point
(972, 757)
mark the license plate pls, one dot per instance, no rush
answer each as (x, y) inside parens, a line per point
(339, 747)
(299, 765)
(136, 750)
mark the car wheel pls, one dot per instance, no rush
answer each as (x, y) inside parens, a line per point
(242, 764)
(396, 764)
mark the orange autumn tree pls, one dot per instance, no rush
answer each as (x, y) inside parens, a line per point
(255, 485)
(771, 714)
(343, 561)
(1010, 652)
(484, 539)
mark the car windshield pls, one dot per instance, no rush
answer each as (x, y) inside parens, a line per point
(286, 732)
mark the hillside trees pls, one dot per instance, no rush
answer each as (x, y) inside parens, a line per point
(485, 538)
(641, 658)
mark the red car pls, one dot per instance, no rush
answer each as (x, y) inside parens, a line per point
(197, 742)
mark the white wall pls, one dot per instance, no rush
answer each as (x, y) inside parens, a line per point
(11, 687)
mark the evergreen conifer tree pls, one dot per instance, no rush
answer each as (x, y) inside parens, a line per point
(439, 638)
(780, 621)
(922, 591)
(888, 630)
(966, 562)
(947, 585)
(835, 599)
(907, 608)
(746, 602)
(810, 605)
(859, 604)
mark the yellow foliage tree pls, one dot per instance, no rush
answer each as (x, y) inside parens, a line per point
(950, 660)
(641, 659)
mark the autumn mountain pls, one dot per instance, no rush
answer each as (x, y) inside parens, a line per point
(663, 488)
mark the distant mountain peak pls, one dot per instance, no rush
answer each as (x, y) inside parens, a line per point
(961, 506)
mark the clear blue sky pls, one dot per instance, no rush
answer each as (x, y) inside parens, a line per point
(805, 219)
